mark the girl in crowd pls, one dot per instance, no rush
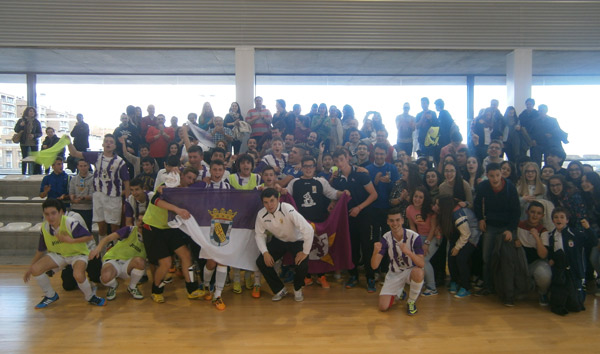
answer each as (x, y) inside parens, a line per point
(509, 171)
(482, 133)
(590, 185)
(459, 226)
(546, 173)
(531, 188)
(321, 124)
(368, 131)
(31, 131)
(475, 173)
(206, 117)
(456, 186)
(422, 220)
(575, 172)
(336, 135)
(173, 150)
(563, 194)
(518, 141)
(232, 120)
(423, 164)
(433, 179)
(410, 180)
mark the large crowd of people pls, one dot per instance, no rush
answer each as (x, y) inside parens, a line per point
(499, 212)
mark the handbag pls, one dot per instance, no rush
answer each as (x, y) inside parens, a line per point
(16, 138)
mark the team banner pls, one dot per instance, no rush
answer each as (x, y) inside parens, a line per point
(222, 223)
(331, 249)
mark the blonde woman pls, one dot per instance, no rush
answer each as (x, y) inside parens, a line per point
(530, 187)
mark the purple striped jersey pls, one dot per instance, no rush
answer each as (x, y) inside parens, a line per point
(398, 260)
(109, 172)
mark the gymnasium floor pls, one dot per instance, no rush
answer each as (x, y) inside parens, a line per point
(333, 320)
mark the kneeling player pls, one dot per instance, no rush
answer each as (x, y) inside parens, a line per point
(125, 259)
(65, 240)
(405, 250)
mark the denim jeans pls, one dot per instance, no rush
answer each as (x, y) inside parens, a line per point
(429, 273)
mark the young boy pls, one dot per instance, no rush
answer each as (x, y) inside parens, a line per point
(81, 190)
(407, 260)
(111, 181)
(291, 233)
(565, 256)
(148, 175)
(65, 242)
(137, 203)
(56, 184)
(161, 242)
(170, 172)
(125, 259)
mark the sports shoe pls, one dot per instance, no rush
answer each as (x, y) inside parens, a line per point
(308, 281)
(158, 298)
(135, 293)
(298, 295)
(483, 292)
(431, 292)
(168, 279)
(219, 304)
(543, 300)
(249, 283)
(411, 308)
(96, 301)
(283, 292)
(462, 293)
(371, 288)
(478, 284)
(256, 291)
(47, 301)
(196, 294)
(111, 293)
(203, 290)
(323, 282)
(453, 288)
(351, 282)
(237, 287)
(509, 303)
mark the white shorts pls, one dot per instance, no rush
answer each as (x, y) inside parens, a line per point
(121, 267)
(395, 281)
(107, 209)
(62, 261)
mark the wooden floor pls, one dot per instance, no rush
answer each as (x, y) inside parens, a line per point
(333, 320)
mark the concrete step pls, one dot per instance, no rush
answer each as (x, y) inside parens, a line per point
(19, 241)
(17, 185)
(13, 211)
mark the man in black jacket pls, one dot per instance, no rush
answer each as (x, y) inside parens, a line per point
(81, 135)
(498, 210)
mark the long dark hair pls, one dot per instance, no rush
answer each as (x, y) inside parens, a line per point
(439, 178)
(414, 179)
(426, 207)
(458, 191)
(592, 198)
(446, 205)
(567, 189)
(576, 182)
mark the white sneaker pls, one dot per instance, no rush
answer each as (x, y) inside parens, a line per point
(283, 292)
(298, 296)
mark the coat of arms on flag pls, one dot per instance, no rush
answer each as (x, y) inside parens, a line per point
(221, 225)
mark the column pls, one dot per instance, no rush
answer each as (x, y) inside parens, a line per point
(31, 90)
(519, 68)
(244, 77)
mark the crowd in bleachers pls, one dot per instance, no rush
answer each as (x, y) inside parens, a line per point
(499, 210)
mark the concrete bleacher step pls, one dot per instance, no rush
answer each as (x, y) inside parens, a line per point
(17, 185)
(18, 241)
(20, 211)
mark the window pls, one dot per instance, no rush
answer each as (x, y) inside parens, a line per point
(8, 159)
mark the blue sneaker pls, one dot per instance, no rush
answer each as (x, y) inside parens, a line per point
(371, 286)
(429, 292)
(351, 282)
(411, 308)
(97, 301)
(453, 287)
(46, 301)
(462, 293)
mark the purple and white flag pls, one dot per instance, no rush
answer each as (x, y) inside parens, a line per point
(222, 223)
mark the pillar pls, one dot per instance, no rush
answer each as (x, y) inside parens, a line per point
(519, 71)
(31, 90)
(244, 77)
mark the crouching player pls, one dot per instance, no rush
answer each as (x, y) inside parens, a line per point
(405, 250)
(125, 259)
(64, 239)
